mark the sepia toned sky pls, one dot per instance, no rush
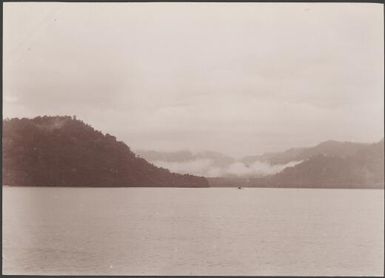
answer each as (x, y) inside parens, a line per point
(239, 78)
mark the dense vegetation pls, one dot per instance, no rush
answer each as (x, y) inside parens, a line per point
(63, 151)
(328, 165)
(364, 168)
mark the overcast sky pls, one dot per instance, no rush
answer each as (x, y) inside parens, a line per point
(239, 78)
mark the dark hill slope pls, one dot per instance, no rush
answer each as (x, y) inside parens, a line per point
(363, 169)
(62, 151)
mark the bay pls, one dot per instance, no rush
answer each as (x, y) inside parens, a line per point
(192, 231)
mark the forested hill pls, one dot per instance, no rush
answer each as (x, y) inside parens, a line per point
(63, 151)
(362, 169)
(330, 164)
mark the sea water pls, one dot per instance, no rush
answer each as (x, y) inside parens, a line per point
(191, 231)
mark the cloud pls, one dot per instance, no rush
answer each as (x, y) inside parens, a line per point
(258, 168)
(231, 78)
(11, 99)
(206, 168)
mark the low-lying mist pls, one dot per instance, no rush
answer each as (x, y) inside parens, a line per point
(206, 168)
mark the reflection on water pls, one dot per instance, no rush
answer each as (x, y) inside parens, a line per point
(178, 231)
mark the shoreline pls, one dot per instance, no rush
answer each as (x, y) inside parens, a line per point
(191, 187)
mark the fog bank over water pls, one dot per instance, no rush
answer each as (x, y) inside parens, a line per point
(206, 168)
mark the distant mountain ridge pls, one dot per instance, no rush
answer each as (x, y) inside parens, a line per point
(63, 151)
(328, 148)
(363, 167)
(328, 164)
(355, 165)
(217, 158)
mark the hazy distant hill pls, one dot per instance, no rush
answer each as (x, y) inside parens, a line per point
(330, 164)
(364, 169)
(218, 159)
(177, 156)
(62, 151)
(328, 148)
(206, 163)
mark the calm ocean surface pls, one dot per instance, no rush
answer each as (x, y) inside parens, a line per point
(186, 231)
